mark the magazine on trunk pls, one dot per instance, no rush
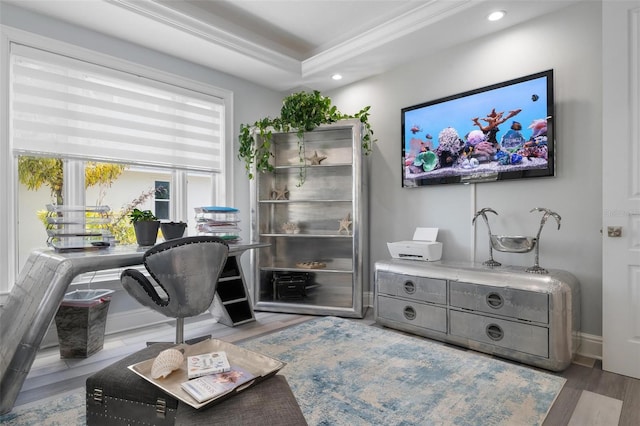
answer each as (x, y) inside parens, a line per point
(208, 363)
(214, 385)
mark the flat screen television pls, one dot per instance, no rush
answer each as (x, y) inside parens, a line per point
(503, 131)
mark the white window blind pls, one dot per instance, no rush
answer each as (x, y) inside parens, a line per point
(76, 109)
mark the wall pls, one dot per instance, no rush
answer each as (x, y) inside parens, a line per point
(570, 43)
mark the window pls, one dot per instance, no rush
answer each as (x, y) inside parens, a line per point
(163, 197)
(78, 109)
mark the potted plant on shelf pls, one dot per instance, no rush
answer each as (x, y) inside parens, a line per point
(172, 230)
(301, 112)
(146, 226)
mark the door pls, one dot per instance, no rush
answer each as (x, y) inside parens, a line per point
(621, 187)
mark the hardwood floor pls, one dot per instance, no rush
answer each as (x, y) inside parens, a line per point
(590, 396)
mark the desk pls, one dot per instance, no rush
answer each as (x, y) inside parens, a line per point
(35, 297)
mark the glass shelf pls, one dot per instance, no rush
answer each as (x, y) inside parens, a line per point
(308, 166)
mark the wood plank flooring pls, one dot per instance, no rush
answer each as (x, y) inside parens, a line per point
(591, 396)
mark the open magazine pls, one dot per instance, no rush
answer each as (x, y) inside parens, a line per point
(211, 386)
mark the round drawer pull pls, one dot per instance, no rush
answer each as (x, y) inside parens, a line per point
(409, 287)
(494, 331)
(409, 313)
(494, 300)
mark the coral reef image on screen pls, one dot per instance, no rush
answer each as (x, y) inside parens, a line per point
(499, 132)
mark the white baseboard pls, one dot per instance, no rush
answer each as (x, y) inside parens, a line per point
(368, 299)
(590, 346)
(119, 322)
(131, 319)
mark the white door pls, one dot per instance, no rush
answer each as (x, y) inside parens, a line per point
(621, 187)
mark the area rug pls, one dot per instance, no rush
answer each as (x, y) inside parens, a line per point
(65, 409)
(344, 372)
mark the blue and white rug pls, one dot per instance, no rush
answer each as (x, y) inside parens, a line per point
(347, 373)
(65, 409)
(344, 372)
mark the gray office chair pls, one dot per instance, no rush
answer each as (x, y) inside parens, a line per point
(186, 270)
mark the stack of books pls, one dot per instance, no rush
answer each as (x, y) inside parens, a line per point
(218, 221)
(211, 375)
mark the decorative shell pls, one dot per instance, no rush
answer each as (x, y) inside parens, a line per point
(166, 362)
(290, 228)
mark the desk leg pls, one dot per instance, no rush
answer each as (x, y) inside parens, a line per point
(232, 304)
(24, 321)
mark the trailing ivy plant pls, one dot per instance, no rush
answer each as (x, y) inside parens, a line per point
(301, 112)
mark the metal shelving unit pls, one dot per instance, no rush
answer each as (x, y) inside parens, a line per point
(315, 263)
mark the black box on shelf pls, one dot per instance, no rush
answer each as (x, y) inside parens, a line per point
(290, 285)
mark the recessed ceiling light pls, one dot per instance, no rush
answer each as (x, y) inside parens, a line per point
(497, 15)
(337, 77)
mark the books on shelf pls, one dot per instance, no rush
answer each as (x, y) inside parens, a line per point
(214, 385)
(207, 363)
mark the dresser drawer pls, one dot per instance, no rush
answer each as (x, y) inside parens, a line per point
(526, 338)
(510, 302)
(412, 287)
(417, 314)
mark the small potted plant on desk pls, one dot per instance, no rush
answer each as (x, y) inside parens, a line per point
(146, 226)
(172, 230)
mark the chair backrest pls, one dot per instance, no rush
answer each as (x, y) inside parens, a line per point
(187, 269)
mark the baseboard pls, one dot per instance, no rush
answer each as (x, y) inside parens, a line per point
(368, 299)
(131, 319)
(117, 322)
(120, 322)
(590, 346)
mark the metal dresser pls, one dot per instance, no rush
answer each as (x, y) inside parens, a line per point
(504, 311)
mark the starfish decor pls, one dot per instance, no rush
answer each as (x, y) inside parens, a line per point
(280, 193)
(316, 159)
(345, 223)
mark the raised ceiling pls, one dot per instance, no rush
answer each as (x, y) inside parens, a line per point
(292, 44)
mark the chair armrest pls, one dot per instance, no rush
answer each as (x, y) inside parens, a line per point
(141, 289)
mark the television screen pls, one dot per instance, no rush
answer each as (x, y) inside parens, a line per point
(498, 132)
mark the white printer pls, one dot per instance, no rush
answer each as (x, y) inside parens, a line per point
(423, 246)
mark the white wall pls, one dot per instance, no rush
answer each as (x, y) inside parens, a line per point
(570, 43)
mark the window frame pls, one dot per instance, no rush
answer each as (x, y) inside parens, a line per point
(8, 163)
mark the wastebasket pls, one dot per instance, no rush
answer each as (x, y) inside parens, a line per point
(81, 320)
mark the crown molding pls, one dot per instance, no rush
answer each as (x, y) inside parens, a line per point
(211, 33)
(401, 26)
(221, 34)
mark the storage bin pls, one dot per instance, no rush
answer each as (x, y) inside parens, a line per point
(81, 321)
